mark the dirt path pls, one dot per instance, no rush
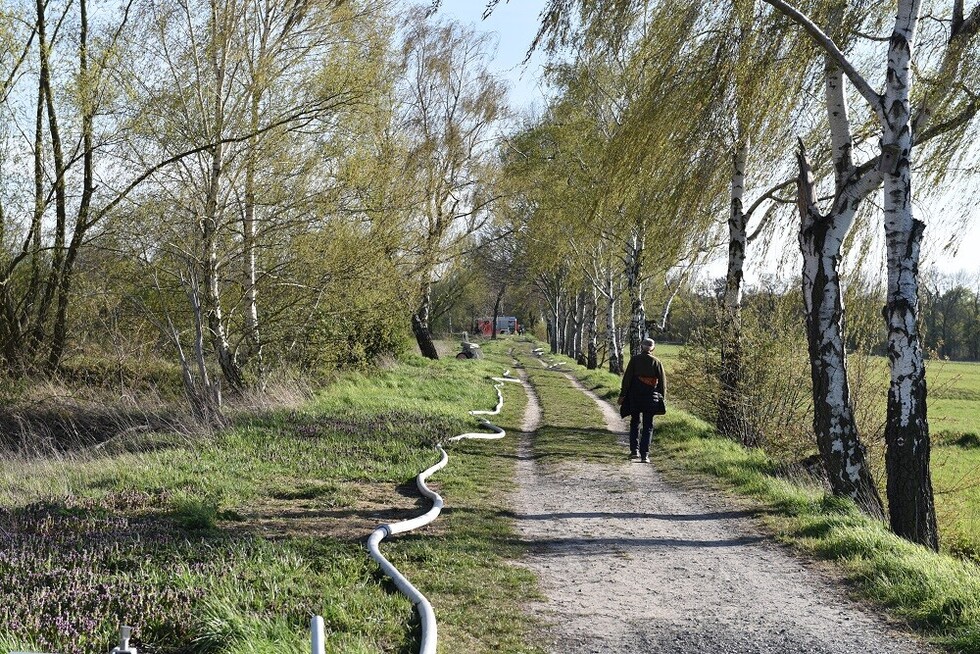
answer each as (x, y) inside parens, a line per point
(630, 564)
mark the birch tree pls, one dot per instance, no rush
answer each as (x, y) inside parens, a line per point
(901, 125)
(452, 108)
(755, 84)
(243, 86)
(36, 278)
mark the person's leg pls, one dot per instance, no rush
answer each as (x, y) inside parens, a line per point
(634, 433)
(647, 431)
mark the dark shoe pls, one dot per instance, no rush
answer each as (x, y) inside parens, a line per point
(644, 459)
(634, 454)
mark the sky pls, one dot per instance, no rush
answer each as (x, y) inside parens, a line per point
(516, 22)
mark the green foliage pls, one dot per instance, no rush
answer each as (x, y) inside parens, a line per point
(775, 400)
(362, 313)
(196, 514)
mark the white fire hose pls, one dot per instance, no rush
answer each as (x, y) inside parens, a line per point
(427, 615)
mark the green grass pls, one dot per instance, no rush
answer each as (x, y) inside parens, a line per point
(954, 423)
(571, 427)
(232, 543)
(938, 594)
(954, 396)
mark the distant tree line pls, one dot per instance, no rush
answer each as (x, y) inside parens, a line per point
(951, 316)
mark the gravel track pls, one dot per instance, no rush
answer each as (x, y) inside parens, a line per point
(631, 564)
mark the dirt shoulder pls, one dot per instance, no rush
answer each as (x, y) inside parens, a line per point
(631, 563)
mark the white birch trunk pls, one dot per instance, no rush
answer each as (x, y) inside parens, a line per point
(821, 243)
(612, 339)
(249, 233)
(555, 318)
(730, 421)
(634, 286)
(737, 233)
(209, 230)
(592, 359)
(204, 395)
(212, 281)
(910, 496)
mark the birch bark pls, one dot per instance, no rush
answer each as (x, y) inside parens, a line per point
(249, 242)
(634, 285)
(909, 488)
(730, 421)
(841, 450)
(910, 498)
(612, 339)
(209, 221)
(592, 358)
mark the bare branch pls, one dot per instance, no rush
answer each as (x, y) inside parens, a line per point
(871, 96)
(770, 195)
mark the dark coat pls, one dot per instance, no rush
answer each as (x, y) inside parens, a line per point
(644, 385)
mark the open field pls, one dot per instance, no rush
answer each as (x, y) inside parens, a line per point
(954, 421)
(954, 418)
(231, 543)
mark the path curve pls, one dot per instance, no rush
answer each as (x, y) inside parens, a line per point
(631, 564)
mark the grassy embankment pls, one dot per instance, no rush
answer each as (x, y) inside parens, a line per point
(938, 594)
(231, 543)
(954, 418)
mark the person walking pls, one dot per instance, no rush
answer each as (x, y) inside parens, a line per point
(642, 396)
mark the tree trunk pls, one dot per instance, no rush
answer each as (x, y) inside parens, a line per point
(555, 322)
(911, 507)
(496, 311)
(203, 394)
(634, 286)
(420, 324)
(61, 203)
(843, 455)
(59, 332)
(59, 335)
(567, 328)
(213, 311)
(612, 339)
(592, 359)
(731, 422)
(250, 258)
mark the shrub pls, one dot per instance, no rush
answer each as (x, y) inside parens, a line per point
(775, 403)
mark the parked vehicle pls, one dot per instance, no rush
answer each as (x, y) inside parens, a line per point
(505, 325)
